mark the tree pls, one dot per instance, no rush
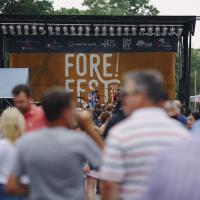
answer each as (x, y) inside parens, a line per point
(115, 7)
(70, 11)
(26, 7)
(121, 7)
(195, 66)
(96, 7)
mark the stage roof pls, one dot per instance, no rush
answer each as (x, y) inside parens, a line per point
(187, 22)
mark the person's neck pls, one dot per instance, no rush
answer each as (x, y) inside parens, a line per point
(147, 105)
(28, 110)
(54, 124)
(150, 106)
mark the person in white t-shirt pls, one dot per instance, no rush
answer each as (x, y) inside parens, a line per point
(12, 126)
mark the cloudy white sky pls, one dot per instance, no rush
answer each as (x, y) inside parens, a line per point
(166, 7)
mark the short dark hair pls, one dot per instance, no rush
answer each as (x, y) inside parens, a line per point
(21, 88)
(105, 116)
(110, 107)
(54, 102)
(149, 82)
(196, 115)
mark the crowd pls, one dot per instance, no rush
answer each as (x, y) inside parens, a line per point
(143, 146)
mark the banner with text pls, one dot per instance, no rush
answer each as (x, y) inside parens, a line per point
(80, 72)
(100, 44)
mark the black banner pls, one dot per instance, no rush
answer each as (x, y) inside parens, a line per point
(83, 44)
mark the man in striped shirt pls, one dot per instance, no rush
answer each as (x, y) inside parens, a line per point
(132, 145)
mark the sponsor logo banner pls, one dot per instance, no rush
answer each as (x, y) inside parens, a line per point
(91, 44)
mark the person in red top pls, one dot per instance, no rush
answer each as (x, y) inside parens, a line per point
(34, 115)
(116, 97)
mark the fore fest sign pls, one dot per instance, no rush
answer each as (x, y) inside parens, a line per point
(82, 63)
(98, 71)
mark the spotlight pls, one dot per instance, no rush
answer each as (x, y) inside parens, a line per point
(34, 30)
(51, 31)
(142, 30)
(104, 30)
(26, 29)
(172, 31)
(19, 29)
(119, 31)
(42, 30)
(4, 30)
(57, 29)
(87, 31)
(96, 31)
(80, 30)
(126, 31)
(134, 31)
(12, 30)
(180, 31)
(112, 31)
(157, 30)
(65, 30)
(165, 30)
(150, 31)
(73, 30)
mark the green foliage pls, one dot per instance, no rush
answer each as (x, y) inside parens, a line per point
(96, 7)
(34, 7)
(70, 11)
(114, 7)
(195, 66)
(93, 7)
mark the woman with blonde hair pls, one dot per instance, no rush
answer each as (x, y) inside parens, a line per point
(12, 125)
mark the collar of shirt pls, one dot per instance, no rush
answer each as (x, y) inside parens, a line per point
(148, 113)
(31, 112)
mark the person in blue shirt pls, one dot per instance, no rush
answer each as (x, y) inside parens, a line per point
(173, 108)
(92, 99)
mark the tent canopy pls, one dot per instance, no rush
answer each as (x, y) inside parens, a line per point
(10, 78)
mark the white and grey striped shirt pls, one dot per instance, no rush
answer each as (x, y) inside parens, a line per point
(132, 147)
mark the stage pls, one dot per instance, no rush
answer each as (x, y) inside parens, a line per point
(85, 52)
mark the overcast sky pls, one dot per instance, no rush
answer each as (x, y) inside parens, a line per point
(166, 7)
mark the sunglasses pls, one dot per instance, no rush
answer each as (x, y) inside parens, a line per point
(126, 93)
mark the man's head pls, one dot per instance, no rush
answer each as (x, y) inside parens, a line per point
(171, 109)
(178, 106)
(110, 107)
(57, 106)
(22, 98)
(142, 89)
